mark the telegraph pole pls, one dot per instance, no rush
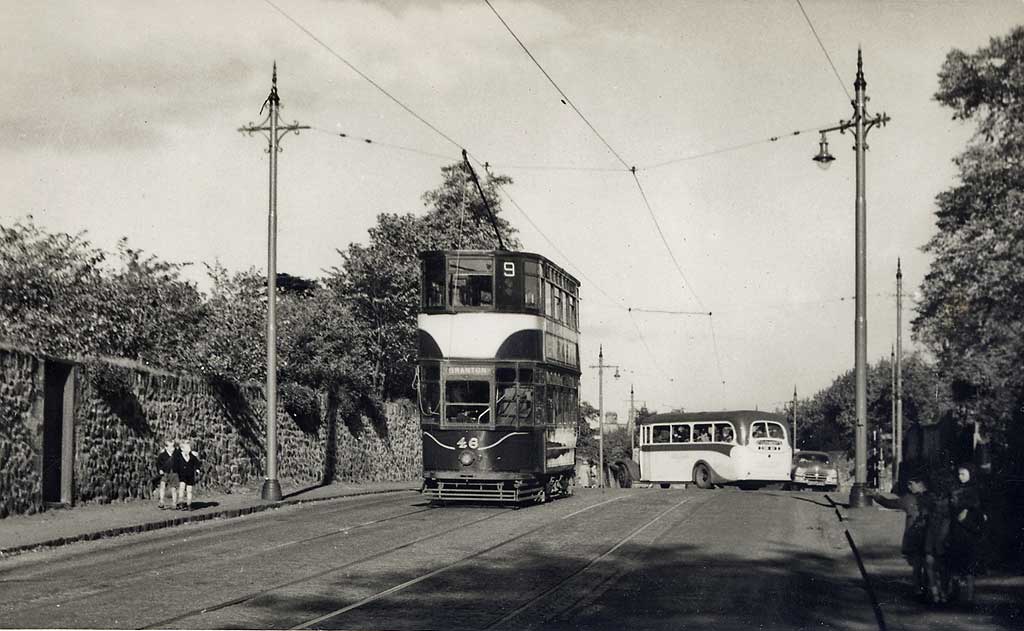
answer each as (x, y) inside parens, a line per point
(898, 437)
(600, 407)
(273, 131)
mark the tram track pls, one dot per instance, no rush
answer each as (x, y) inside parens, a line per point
(142, 570)
(313, 622)
(309, 577)
(532, 603)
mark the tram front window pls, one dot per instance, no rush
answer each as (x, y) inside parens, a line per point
(471, 282)
(467, 402)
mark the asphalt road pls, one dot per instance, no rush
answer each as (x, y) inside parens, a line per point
(627, 558)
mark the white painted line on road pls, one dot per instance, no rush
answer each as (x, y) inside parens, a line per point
(583, 510)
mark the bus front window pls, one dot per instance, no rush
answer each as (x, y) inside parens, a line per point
(467, 402)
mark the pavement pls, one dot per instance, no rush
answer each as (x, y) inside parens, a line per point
(57, 527)
(875, 534)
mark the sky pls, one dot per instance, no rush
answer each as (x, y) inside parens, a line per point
(120, 118)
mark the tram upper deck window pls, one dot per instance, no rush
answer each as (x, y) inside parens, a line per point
(470, 282)
(467, 402)
(531, 283)
(433, 282)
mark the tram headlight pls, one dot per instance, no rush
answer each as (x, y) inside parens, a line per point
(467, 458)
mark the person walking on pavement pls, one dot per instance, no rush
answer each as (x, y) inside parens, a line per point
(912, 546)
(936, 538)
(967, 520)
(188, 467)
(166, 462)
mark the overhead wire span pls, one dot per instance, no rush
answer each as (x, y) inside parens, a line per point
(565, 97)
(745, 145)
(823, 49)
(667, 311)
(379, 143)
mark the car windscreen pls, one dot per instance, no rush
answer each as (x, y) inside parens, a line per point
(813, 459)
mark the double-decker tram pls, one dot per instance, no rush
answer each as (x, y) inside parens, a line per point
(742, 447)
(498, 376)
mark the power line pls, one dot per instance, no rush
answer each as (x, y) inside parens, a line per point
(378, 143)
(362, 75)
(744, 145)
(827, 56)
(650, 210)
(565, 97)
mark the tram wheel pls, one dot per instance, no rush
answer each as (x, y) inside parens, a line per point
(702, 476)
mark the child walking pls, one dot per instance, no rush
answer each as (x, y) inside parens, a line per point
(188, 467)
(165, 465)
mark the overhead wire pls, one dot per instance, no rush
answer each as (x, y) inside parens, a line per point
(378, 143)
(565, 97)
(632, 170)
(362, 75)
(824, 50)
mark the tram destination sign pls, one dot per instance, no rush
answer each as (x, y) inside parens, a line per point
(482, 371)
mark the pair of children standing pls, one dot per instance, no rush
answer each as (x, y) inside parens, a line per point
(178, 467)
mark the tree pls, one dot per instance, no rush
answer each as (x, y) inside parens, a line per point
(972, 313)
(586, 439)
(825, 421)
(60, 295)
(379, 282)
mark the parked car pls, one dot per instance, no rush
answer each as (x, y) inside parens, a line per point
(815, 469)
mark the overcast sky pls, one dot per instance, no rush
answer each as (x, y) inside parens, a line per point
(120, 119)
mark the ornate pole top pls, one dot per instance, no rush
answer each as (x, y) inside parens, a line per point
(860, 83)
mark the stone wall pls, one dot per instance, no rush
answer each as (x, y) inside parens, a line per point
(20, 457)
(124, 412)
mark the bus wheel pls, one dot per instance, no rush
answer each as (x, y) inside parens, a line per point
(665, 485)
(702, 476)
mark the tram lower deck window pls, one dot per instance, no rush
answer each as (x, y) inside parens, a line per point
(467, 402)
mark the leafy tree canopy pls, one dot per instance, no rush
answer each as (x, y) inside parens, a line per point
(972, 312)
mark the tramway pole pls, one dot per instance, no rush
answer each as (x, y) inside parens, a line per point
(860, 124)
(898, 438)
(795, 448)
(271, 129)
(632, 423)
(892, 395)
(600, 410)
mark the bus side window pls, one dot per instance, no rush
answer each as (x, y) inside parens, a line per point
(775, 431)
(758, 430)
(680, 433)
(702, 433)
(661, 434)
(724, 433)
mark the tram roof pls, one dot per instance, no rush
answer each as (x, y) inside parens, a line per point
(513, 253)
(743, 416)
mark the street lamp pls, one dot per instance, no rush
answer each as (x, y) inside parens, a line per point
(861, 123)
(600, 409)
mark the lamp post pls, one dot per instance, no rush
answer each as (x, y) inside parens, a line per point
(861, 123)
(600, 409)
(273, 131)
